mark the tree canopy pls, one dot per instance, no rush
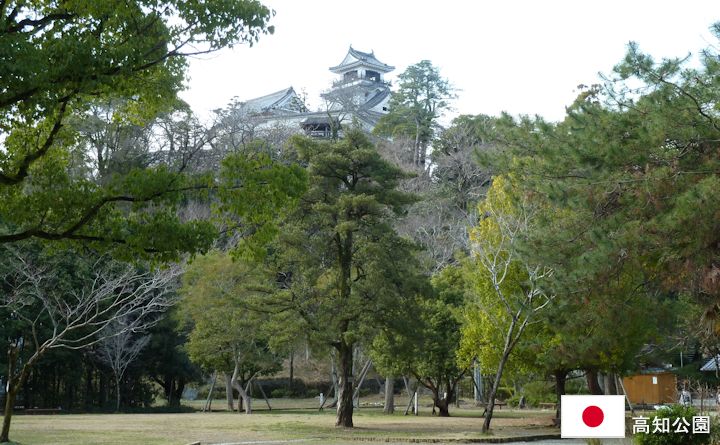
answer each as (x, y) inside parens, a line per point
(59, 58)
(421, 98)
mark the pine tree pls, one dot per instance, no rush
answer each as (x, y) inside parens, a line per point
(342, 268)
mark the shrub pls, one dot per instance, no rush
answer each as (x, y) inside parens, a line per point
(536, 392)
(279, 393)
(672, 438)
(218, 392)
(504, 393)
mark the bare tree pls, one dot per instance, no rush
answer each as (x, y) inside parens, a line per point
(119, 347)
(112, 145)
(236, 126)
(76, 318)
(181, 142)
(176, 139)
(449, 189)
(341, 105)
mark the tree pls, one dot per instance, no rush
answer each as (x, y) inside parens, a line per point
(631, 170)
(118, 348)
(421, 98)
(461, 179)
(66, 302)
(341, 266)
(449, 191)
(230, 331)
(424, 339)
(165, 359)
(59, 59)
(634, 160)
(508, 289)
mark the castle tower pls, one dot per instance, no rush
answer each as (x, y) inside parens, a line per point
(358, 66)
(361, 85)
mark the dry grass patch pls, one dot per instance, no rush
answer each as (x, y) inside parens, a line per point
(167, 429)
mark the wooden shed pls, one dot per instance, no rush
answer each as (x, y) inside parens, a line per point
(651, 388)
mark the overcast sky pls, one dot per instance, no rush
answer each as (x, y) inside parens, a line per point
(520, 56)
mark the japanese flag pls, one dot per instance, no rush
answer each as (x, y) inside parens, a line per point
(592, 416)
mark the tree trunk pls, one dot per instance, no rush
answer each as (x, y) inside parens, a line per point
(416, 145)
(243, 393)
(345, 349)
(560, 379)
(248, 403)
(610, 386)
(592, 382)
(208, 401)
(292, 371)
(345, 395)
(13, 385)
(477, 384)
(493, 390)
(334, 377)
(229, 392)
(104, 389)
(88, 388)
(389, 395)
(244, 399)
(442, 406)
(9, 405)
(117, 393)
(177, 394)
(167, 384)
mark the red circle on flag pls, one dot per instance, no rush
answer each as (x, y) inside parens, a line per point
(593, 416)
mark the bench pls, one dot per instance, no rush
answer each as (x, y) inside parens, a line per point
(552, 406)
(499, 404)
(43, 411)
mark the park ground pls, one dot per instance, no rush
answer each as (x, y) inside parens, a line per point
(283, 425)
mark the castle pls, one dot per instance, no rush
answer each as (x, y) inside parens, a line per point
(359, 94)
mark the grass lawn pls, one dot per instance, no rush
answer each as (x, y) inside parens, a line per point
(264, 425)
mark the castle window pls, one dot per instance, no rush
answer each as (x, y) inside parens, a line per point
(350, 75)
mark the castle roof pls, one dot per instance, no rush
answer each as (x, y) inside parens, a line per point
(280, 100)
(355, 59)
(377, 98)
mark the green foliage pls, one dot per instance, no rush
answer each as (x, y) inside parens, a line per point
(165, 359)
(421, 98)
(341, 266)
(424, 339)
(220, 299)
(630, 178)
(60, 59)
(634, 162)
(260, 192)
(535, 393)
(345, 267)
(127, 49)
(486, 316)
(426, 351)
(673, 413)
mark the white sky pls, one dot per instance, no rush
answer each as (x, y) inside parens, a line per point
(520, 56)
